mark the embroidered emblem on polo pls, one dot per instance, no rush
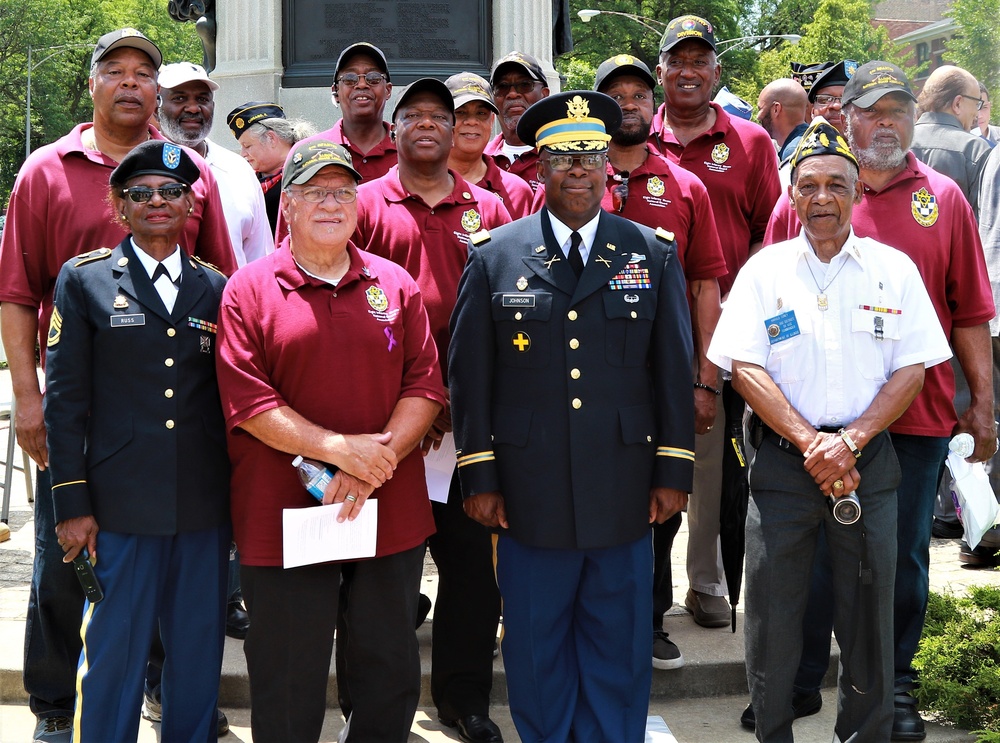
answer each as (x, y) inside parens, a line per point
(924, 208)
(720, 153)
(376, 298)
(655, 186)
(471, 221)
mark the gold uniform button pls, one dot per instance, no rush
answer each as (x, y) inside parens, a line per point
(577, 403)
(171, 332)
(572, 315)
(574, 343)
(168, 393)
(518, 315)
(634, 314)
(170, 425)
(168, 362)
(575, 373)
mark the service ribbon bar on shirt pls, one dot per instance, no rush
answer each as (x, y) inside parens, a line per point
(211, 327)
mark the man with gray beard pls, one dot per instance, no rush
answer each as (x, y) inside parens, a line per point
(909, 206)
(185, 111)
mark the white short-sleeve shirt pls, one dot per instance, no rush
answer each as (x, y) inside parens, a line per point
(829, 363)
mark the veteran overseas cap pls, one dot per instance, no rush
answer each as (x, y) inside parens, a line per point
(839, 74)
(805, 73)
(310, 156)
(243, 117)
(156, 157)
(572, 121)
(873, 80)
(687, 27)
(126, 37)
(468, 86)
(622, 64)
(822, 138)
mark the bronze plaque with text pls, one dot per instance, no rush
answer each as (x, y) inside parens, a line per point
(419, 38)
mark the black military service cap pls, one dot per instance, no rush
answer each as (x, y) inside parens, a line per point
(822, 138)
(622, 64)
(243, 117)
(839, 74)
(571, 121)
(156, 157)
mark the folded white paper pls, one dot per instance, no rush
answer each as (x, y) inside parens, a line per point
(439, 466)
(313, 535)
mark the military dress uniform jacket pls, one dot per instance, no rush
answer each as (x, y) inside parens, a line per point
(136, 433)
(573, 399)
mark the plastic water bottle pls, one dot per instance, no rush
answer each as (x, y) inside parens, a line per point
(313, 475)
(963, 445)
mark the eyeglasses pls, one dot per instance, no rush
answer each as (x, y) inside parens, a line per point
(317, 195)
(565, 162)
(619, 192)
(351, 79)
(142, 194)
(828, 100)
(500, 90)
(979, 101)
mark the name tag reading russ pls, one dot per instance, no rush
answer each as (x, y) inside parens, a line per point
(518, 300)
(782, 327)
(125, 321)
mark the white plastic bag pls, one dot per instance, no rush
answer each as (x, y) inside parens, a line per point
(977, 505)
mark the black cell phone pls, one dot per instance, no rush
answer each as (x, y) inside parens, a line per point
(88, 580)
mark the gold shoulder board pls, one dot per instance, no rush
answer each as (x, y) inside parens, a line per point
(664, 235)
(206, 264)
(480, 237)
(94, 255)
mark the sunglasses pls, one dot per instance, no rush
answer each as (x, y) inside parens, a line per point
(619, 192)
(142, 194)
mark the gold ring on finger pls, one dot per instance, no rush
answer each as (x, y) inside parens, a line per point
(838, 484)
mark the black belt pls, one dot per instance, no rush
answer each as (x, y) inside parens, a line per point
(784, 443)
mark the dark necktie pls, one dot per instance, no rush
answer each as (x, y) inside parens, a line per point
(161, 270)
(575, 259)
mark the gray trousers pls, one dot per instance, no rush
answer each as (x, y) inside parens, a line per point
(785, 512)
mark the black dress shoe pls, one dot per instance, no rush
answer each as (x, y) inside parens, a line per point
(475, 729)
(423, 609)
(906, 721)
(237, 621)
(803, 705)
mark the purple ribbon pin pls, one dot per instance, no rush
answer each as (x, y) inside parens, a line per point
(392, 340)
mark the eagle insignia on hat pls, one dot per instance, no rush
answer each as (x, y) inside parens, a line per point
(471, 221)
(924, 208)
(720, 153)
(376, 299)
(171, 155)
(577, 108)
(655, 186)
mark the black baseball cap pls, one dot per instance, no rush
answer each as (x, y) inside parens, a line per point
(430, 85)
(873, 80)
(126, 37)
(687, 27)
(623, 64)
(519, 59)
(363, 47)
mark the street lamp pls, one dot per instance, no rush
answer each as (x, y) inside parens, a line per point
(27, 101)
(587, 14)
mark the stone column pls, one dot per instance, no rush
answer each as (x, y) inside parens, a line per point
(249, 65)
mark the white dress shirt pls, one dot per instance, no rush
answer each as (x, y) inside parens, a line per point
(166, 288)
(242, 204)
(564, 234)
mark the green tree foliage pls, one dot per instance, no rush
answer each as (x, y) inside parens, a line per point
(839, 29)
(976, 44)
(62, 34)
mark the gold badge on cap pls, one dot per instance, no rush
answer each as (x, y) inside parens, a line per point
(471, 221)
(522, 283)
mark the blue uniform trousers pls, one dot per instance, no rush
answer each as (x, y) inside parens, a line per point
(177, 583)
(576, 641)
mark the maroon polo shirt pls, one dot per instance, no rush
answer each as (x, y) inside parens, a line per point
(429, 242)
(515, 193)
(736, 161)
(370, 165)
(925, 215)
(524, 166)
(342, 356)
